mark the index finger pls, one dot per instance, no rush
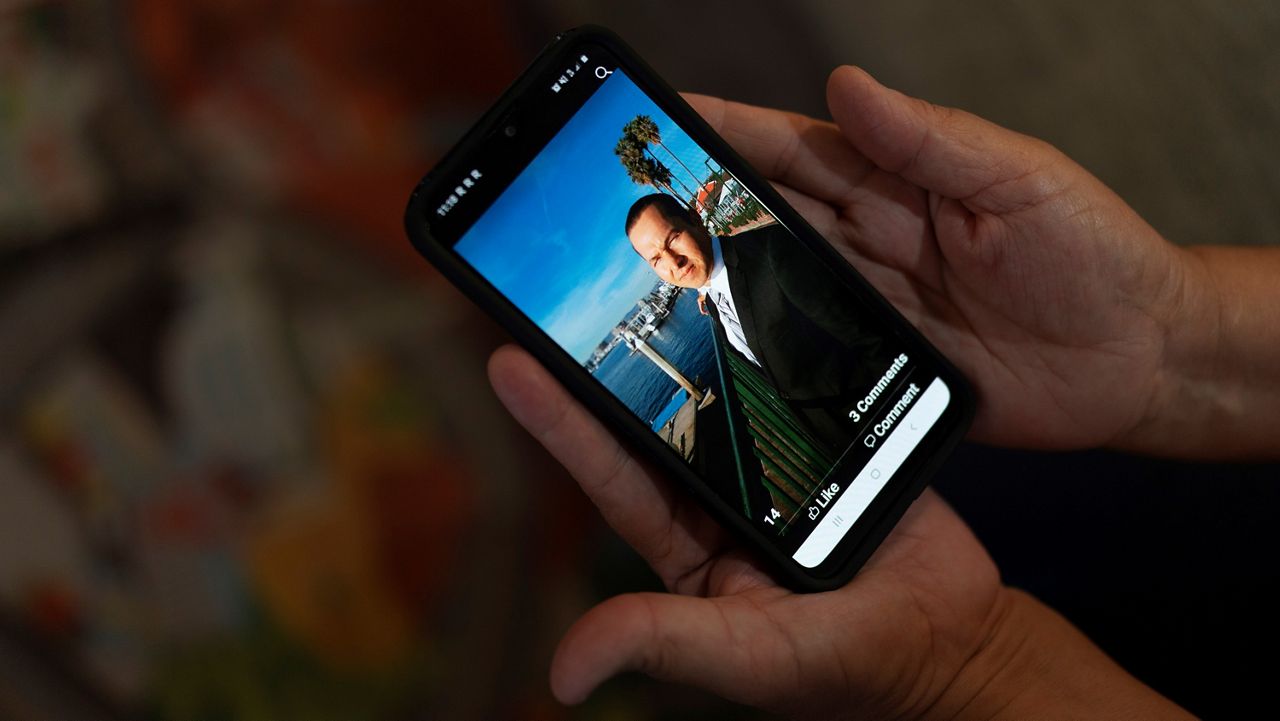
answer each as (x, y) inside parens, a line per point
(808, 155)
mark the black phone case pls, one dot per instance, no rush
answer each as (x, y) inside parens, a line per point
(912, 477)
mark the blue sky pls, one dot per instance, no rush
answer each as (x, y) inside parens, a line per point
(553, 242)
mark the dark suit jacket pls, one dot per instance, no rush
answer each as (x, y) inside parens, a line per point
(801, 321)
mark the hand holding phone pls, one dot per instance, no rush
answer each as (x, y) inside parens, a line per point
(732, 629)
(774, 442)
(1044, 287)
(676, 295)
(860, 647)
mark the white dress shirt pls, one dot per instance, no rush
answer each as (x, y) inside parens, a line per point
(717, 290)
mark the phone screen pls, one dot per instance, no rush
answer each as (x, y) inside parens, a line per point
(682, 294)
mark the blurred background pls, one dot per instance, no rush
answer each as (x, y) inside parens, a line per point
(249, 464)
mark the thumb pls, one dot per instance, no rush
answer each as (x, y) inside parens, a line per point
(725, 645)
(946, 151)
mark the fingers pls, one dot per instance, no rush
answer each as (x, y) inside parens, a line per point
(760, 644)
(808, 155)
(946, 151)
(724, 645)
(841, 193)
(666, 528)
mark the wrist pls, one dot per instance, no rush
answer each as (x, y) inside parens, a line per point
(1034, 664)
(1217, 391)
(1183, 395)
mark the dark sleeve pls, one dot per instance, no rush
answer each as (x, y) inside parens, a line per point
(846, 345)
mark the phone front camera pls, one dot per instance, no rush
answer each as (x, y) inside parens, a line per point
(509, 131)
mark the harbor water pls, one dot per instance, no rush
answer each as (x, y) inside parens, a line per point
(684, 339)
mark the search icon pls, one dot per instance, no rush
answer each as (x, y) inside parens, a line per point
(602, 73)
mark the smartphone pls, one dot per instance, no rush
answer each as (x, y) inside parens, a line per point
(665, 283)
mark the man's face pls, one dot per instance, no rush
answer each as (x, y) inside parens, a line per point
(677, 252)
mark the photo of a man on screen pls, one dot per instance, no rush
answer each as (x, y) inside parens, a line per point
(676, 289)
(775, 304)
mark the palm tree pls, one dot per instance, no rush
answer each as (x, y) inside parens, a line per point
(667, 174)
(646, 131)
(641, 169)
(645, 169)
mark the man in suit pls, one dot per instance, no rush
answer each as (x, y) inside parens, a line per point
(780, 307)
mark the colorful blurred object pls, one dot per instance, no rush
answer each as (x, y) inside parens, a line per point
(333, 108)
(250, 466)
(251, 492)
